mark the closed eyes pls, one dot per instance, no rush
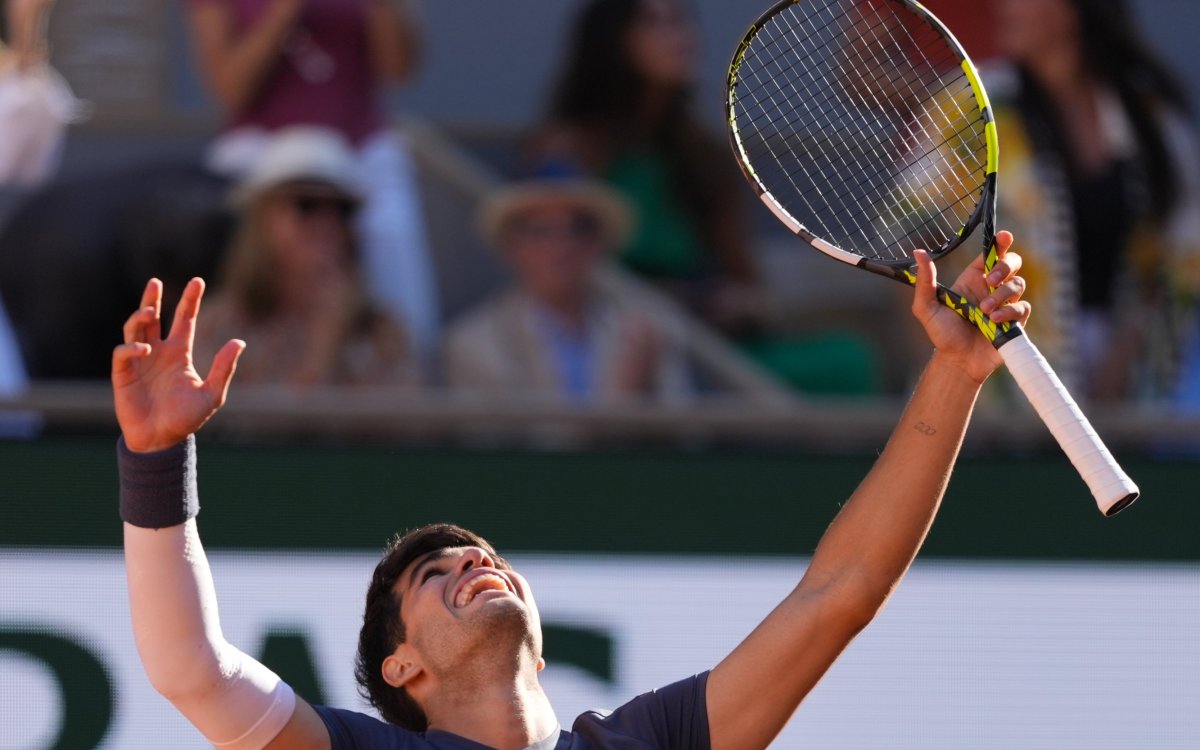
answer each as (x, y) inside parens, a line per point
(430, 573)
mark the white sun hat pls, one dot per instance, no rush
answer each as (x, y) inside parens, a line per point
(303, 154)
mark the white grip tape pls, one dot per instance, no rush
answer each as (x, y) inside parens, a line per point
(1108, 483)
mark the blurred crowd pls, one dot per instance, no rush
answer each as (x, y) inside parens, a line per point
(307, 216)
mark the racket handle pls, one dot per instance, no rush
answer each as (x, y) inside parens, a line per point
(1112, 487)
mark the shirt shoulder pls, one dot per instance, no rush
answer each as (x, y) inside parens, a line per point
(674, 717)
(350, 730)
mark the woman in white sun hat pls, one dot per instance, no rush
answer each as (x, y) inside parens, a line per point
(292, 282)
(274, 64)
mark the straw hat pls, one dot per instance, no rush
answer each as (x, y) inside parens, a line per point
(510, 201)
(317, 156)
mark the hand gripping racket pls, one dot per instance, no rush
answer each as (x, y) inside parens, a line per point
(864, 128)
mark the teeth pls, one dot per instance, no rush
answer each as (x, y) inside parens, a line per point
(490, 581)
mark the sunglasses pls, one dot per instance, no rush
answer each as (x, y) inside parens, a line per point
(582, 227)
(313, 206)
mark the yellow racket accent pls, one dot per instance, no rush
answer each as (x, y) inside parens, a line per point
(985, 106)
(965, 310)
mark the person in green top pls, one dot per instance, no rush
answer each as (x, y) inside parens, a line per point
(622, 113)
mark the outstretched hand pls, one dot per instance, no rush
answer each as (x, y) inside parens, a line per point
(160, 398)
(998, 296)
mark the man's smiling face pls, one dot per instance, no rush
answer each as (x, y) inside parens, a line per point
(463, 608)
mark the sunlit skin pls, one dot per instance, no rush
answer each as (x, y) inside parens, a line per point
(473, 668)
(554, 249)
(459, 657)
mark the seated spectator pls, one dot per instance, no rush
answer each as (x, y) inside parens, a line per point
(1099, 182)
(622, 113)
(273, 64)
(555, 333)
(291, 285)
(36, 104)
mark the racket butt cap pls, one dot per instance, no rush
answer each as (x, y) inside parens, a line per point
(1121, 504)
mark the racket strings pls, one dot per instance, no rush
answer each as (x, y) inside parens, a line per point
(928, 68)
(789, 71)
(829, 128)
(822, 103)
(898, 200)
(915, 163)
(840, 148)
(948, 54)
(862, 124)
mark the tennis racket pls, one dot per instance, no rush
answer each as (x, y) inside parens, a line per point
(863, 126)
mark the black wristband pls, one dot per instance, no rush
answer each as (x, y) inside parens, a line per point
(158, 489)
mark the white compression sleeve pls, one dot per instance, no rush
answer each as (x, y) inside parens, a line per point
(235, 701)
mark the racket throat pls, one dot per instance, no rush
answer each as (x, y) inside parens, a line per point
(997, 333)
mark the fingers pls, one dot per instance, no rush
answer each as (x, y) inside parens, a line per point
(1004, 240)
(1015, 312)
(143, 324)
(1006, 287)
(1007, 263)
(1008, 292)
(138, 326)
(925, 295)
(1004, 305)
(152, 298)
(184, 325)
(221, 372)
(1005, 269)
(127, 355)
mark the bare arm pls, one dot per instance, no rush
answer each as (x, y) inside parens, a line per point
(27, 22)
(395, 38)
(235, 66)
(160, 400)
(870, 545)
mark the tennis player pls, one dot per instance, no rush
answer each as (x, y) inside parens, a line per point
(451, 643)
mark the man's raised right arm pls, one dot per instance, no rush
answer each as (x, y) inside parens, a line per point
(235, 701)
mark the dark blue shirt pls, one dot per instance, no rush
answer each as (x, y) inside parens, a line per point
(672, 718)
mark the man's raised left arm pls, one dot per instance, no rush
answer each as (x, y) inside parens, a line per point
(864, 553)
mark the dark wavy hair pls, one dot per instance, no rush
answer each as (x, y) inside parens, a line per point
(600, 92)
(383, 629)
(1118, 55)
(599, 84)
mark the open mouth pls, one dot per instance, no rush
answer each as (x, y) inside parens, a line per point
(478, 584)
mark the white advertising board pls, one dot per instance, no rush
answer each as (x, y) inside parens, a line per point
(965, 656)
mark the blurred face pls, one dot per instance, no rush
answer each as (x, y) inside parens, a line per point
(662, 43)
(1027, 28)
(460, 610)
(554, 249)
(308, 231)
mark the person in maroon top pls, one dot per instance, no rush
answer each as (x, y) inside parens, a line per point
(973, 24)
(272, 64)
